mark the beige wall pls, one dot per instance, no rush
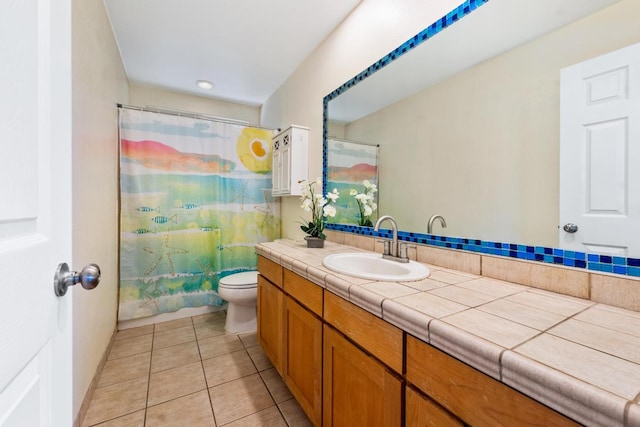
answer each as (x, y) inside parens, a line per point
(99, 83)
(146, 96)
(371, 31)
(482, 148)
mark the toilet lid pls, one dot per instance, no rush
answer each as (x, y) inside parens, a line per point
(246, 279)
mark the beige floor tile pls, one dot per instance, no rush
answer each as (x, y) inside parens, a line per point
(227, 367)
(191, 410)
(259, 358)
(117, 400)
(293, 414)
(276, 386)
(218, 345)
(173, 337)
(173, 324)
(176, 382)
(270, 417)
(210, 326)
(174, 356)
(249, 340)
(209, 317)
(134, 332)
(129, 346)
(239, 398)
(132, 420)
(125, 368)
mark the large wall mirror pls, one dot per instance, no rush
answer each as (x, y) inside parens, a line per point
(469, 124)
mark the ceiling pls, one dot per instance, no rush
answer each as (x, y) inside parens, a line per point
(246, 48)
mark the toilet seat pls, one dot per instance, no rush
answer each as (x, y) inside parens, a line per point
(245, 280)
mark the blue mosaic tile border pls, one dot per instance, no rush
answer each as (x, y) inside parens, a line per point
(593, 262)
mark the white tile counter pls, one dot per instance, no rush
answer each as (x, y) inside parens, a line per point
(578, 357)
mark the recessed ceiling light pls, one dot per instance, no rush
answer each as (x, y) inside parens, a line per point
(204, 84)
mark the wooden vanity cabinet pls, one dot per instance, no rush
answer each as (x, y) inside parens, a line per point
(420, 411)
(472, 396)
(358, 389)
(270, 320)
(302, 370)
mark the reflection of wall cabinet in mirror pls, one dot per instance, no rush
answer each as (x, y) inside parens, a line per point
(290, 160)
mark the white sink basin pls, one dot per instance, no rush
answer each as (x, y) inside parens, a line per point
(374, 267)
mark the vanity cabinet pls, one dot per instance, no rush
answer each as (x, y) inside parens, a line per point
(270, 321)
(290, 160)
(358, 389)
(472, 396)
(420, 411)
(302, 371)
(270, 312)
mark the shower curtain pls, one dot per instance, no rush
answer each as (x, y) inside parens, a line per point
(195, 197)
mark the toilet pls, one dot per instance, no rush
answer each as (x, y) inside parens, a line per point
(240, 290)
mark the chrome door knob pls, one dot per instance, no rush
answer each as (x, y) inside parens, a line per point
(89, 278)
(570, 228)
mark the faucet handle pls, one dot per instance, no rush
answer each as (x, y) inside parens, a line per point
(387, 246)
(403, 249)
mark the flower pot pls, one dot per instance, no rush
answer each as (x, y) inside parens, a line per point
(314, 242)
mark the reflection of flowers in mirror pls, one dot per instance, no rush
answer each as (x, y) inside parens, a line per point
(320, 206)
(366, 204)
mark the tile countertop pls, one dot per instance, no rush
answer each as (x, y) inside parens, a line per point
(576, 356)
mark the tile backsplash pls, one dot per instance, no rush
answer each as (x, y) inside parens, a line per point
(619, 291)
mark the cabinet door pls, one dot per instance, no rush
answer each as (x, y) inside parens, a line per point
(303, 355)
(270, 321)
(424, 412)
(358, 390)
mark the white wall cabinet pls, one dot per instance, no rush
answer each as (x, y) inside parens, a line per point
(290, 160)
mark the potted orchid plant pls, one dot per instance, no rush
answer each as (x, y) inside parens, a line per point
(320, 207)
(366, 203)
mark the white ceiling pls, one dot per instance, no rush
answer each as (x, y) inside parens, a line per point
(246, 48)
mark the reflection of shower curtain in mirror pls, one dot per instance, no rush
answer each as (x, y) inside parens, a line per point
(195, 199)
(348, 165)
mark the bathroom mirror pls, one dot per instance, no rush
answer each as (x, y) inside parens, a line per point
(468, 121)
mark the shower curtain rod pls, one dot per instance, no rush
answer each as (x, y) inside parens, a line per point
(193, 115)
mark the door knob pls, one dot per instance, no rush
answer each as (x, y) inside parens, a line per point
(89, 278)
(570, 228)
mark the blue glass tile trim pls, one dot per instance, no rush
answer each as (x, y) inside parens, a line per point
(593, 262)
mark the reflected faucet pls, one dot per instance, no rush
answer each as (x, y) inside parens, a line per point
(443, 223)
(391, 248)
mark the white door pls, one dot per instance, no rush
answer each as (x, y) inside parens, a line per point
(600, 154)
(35, 212)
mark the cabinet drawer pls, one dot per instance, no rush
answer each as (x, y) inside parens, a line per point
(474, 397)
(270, 270)
(378, 337)
(305, 292)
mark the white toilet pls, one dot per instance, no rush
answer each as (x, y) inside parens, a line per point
(240, 290)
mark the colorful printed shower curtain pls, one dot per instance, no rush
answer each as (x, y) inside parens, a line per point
(195, 199)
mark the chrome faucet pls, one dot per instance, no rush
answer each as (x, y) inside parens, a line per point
(443, 223)
(391, 248)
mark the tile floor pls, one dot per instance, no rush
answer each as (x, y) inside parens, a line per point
(188, 372)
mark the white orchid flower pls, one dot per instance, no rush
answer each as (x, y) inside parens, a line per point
(329, 210)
